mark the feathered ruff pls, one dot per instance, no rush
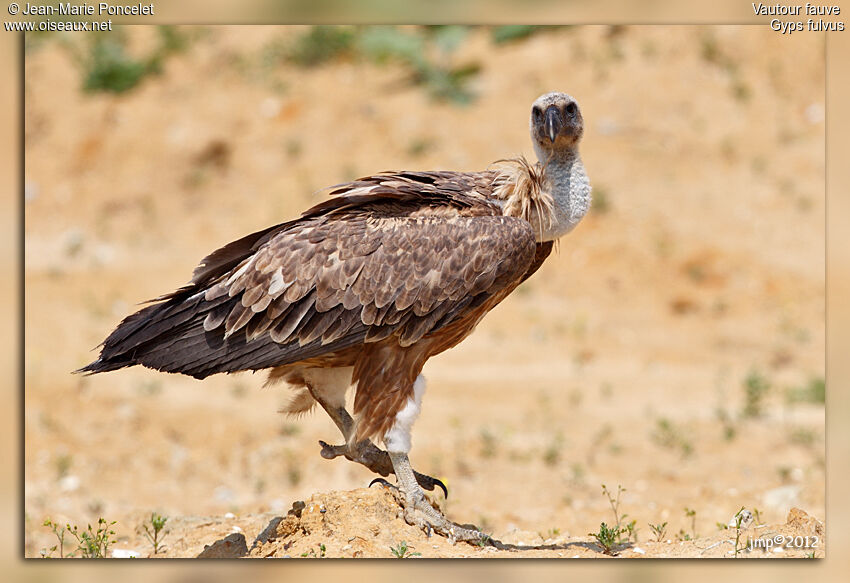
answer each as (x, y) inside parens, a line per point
(521, 185)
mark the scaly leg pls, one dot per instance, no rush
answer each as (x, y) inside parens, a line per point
(418, 511)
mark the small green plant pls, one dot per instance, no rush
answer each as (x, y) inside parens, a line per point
(59, 532)
(659, 530)
(91, 543)
(424, 51)
(107, 66)
(627, 528)
(631, 530)
(311, 554)
(94, 544)
(403, 551)
(612, 501)
(513, 32)
(756, 387)
(321, 44)
(740, 546)
(683, 535)
(608, 538)
(812, 392)
(153, 530)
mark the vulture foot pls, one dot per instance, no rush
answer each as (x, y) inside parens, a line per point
(418, 510)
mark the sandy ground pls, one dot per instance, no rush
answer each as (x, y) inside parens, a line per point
(622, 362)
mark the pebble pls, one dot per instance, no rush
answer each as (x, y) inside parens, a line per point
(232, 546)
(69, 483)
(746, 520)
(125, 554)
(638, 550)
(230, 515)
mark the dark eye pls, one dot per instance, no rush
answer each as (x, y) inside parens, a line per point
(537, 113)
(571, 109)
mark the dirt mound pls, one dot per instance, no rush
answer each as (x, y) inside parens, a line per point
(358, 523)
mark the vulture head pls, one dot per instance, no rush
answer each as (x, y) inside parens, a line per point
(556, 125)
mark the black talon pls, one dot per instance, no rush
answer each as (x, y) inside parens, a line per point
(381, 481)
(442, 487)
(428, 483)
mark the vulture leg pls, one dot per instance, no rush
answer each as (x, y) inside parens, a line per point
(419, 511)
(327, 387)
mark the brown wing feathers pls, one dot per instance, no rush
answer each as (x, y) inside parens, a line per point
(390, 258)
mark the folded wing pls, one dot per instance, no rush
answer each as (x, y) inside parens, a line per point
(324, 283)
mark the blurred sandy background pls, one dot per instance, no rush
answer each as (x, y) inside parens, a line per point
(620, 213)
